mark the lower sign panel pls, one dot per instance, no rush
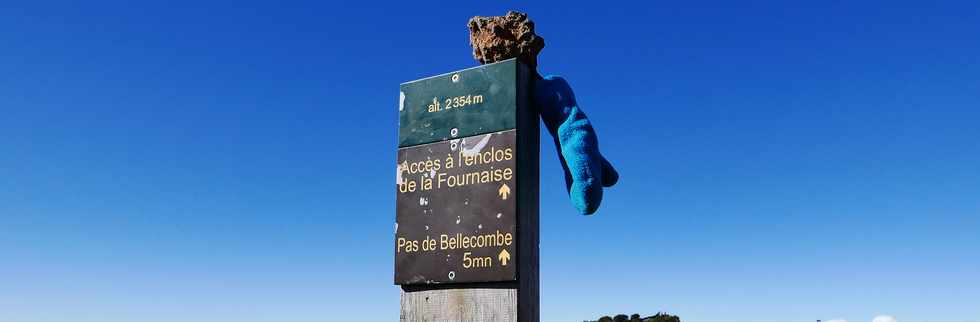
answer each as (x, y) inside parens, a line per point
(456, 211)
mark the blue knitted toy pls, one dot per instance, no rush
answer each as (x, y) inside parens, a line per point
(586, 170)
(496, 38)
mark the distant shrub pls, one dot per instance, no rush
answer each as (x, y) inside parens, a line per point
(659, 317)
(662, 317)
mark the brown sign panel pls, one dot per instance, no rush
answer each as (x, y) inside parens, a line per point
(456, 211)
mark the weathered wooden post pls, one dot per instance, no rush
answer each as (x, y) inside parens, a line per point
(466, 232)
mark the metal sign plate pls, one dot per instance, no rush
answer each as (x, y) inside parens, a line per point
(459, 104)
(456, 210)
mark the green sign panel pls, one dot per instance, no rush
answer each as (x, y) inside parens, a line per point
(464, 103)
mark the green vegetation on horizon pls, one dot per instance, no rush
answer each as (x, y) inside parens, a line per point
(659, 317)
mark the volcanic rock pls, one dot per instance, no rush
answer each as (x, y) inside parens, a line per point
(498, 38)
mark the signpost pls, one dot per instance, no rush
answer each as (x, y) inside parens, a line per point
(466, 232)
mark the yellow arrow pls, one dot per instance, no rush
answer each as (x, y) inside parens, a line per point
(503, 257)
(504, 191)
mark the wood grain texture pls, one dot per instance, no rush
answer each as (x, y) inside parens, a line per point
(528, 183)
(459, 305)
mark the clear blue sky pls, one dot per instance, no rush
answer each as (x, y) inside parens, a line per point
(234, 161)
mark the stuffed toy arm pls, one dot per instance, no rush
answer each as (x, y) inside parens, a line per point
(586, 170)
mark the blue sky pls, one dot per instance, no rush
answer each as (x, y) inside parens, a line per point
(234, 161)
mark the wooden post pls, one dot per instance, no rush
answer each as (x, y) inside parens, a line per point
(500, 292)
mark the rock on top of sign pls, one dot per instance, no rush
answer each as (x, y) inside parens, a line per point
(499, 38)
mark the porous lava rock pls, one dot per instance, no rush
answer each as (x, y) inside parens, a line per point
(497, 38)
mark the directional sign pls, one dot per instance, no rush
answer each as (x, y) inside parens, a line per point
(456, 219)
(462, 138)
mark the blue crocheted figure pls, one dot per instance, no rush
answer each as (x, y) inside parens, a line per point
(586, 170)
(498, 38)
